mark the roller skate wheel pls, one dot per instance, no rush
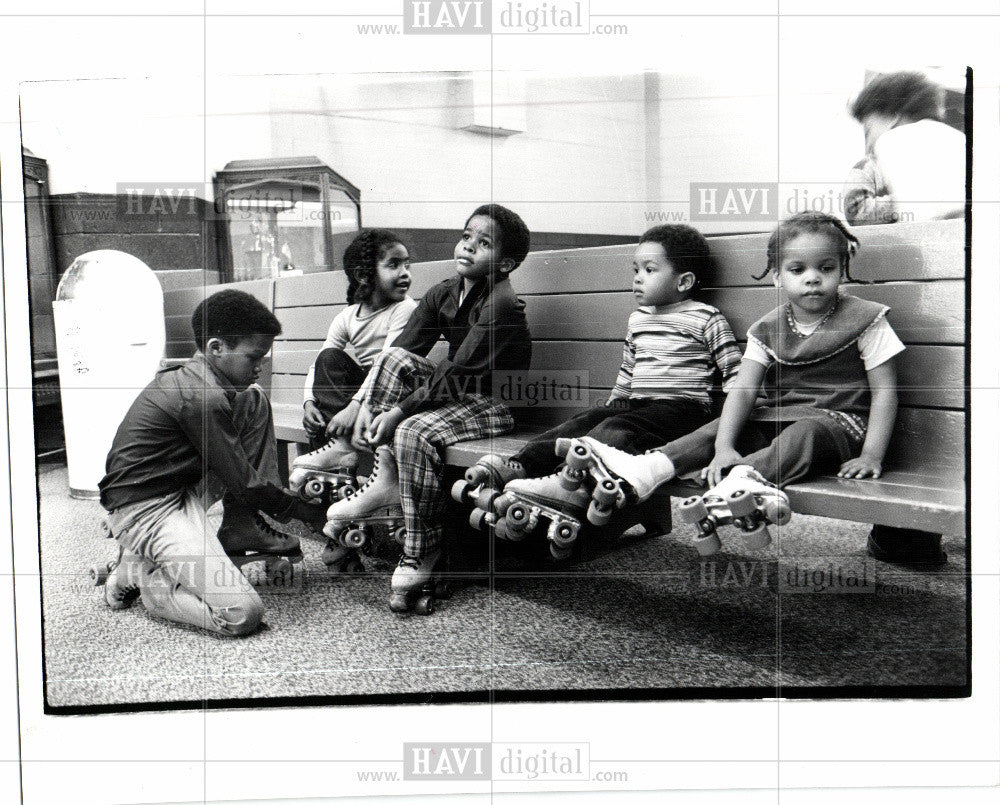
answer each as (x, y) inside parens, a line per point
(502, 504)
(562, 446)
(518, 515)
(313, 488)
(458, 490)
(570, 479)
(708, 544)
(399, 535)
(99, 574)
(398, 602)
(500, 529)
(607, 492)
(477, 519)
(424, 605)
(563, 534)
(579, 457)
(692, 510)
(559, 553)
(477, 474)
(354, 538)
(354, 567)
(442, 590)
(757, 539)
(485, 498)
(777, 512)
(598, 514)
(742, 503)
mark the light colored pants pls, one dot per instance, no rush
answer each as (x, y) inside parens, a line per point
(186, 576)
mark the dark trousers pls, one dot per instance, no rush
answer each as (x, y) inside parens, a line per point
(635, 426)
(783, 452)
(336, 380)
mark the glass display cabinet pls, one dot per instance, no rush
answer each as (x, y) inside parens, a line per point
(283, 217)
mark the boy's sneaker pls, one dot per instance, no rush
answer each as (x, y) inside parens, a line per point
(122, 587)
(644, 473)
(340, 559)
(906, 546)
(244, 530)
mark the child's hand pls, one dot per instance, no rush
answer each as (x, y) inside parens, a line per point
(312, 419)
(860, 467)
(359, 438)
(722, 461)
(342, 423)
(384, 426)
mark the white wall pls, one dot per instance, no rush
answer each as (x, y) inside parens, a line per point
(580, 165)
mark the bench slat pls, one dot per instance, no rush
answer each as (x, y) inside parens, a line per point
(185, 300)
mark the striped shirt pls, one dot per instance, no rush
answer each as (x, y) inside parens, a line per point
(675, 354)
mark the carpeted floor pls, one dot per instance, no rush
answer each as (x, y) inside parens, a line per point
(648, 616)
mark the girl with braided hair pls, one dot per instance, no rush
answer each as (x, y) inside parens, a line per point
(825, 361)
(377, 265)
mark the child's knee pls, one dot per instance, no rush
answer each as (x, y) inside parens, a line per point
(334, 357)
(613, 433)
(410, 435)
(243, 618)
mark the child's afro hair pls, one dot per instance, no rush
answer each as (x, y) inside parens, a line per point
(515, 239)
(232, 315)
(685, 248)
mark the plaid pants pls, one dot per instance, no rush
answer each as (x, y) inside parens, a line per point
(421, 439)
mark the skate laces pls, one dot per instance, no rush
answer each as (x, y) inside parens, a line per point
(269, 529)
(371, 478)
(409, 561)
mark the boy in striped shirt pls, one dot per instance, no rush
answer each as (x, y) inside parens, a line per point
(674, 347)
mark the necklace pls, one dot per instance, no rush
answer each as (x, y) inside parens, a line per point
(794, 325)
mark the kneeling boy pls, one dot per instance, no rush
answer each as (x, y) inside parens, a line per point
(205, 417)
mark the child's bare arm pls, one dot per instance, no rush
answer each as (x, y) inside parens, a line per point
(881, 418)
(735, 412)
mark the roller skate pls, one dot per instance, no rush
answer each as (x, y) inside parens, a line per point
(617, 477)
(327, 473)
(416, 586)
(525, 502)
(350, 520)
(745, 499)
(341, 560)
(247, 537)
(484, 481)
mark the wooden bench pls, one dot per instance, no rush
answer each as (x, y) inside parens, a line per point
(578, 302)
